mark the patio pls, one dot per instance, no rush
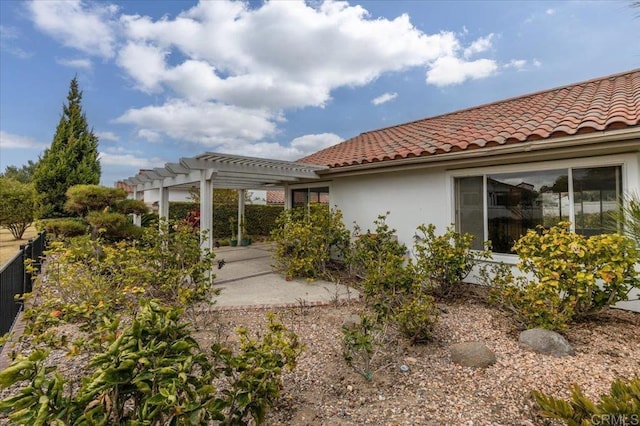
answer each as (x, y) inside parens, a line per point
(247, 280)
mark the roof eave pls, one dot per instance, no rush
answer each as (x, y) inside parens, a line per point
(626, 139)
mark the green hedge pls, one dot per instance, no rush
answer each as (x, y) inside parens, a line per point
(259, 219)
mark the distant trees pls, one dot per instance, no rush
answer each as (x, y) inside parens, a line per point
(71, 159)
(23, 174)
(17, 201)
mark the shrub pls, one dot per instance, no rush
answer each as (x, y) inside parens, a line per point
(304, 240)
(64, 227)
(82, 199)
(153, 372)
(254, 373)
(390, 282)
(443, 262)
(620, 407)
(17, 205)
(88, 279)
(260, 219)
(359, 344)
(417, 316)
(379, 259)
(573, 276)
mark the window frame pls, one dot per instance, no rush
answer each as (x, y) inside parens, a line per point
(290, 188)
(621, 160)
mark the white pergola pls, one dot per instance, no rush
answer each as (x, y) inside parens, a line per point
(212, 170)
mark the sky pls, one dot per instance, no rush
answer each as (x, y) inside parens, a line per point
(282, 79)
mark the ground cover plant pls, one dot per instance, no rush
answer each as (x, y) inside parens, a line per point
(121, 307)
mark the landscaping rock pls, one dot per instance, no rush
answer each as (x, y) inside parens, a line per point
(545, 342)
(472, 354)
(352, 321)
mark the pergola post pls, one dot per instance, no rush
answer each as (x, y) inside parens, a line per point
(137, 219)
(287, 197)
(163, 203)
(206, 212)
(241, 193)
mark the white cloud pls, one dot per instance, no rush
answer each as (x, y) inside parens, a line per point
(451, 70)
(149, 135)
(76, 63)
(124, 158)
(384, 98)
(537, 63)
(298, 148)
(87, 27)
(208, 123)
(280, 55)
(13, 141)
(550, 11)
(518, 64)
(225, 72)
(480, 45)
(107, 136)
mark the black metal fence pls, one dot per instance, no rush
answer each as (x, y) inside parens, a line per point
(15, 280)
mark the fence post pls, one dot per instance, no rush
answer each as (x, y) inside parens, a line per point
(26, 254)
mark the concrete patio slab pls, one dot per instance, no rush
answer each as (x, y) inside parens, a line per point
(247, 280)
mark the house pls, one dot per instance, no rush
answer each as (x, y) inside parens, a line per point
(493, 170)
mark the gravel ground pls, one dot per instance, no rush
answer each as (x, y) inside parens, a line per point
(324, 390)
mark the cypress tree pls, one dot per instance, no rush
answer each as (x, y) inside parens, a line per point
(72, 158)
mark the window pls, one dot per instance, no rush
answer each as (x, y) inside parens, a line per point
(304, 196)
(502, 207)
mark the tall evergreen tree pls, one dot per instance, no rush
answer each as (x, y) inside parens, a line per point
(72, 158)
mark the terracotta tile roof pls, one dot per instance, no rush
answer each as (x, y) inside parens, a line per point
(275, 197)
(611, 102)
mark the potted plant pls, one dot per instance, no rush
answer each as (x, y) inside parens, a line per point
(234, 238)
(245, 240)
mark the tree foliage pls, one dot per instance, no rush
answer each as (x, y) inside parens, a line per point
(105, 209)
(23, 174)
(16, 206)
(71, 159)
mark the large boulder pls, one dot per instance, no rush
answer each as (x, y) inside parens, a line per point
(545, 342)
(472, 354)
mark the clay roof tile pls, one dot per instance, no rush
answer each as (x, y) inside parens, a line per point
(611, 102)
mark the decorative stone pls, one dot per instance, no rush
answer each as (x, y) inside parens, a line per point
(352, 321)
(546, 342)
(472, 354)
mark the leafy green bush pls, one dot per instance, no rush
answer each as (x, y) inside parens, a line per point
(82, 199)
(153, 372)
(390, 281)
(17, 205)
(443, 262)
(620, 407)
(379, 259)
(64, 227)
(253, 374)
(259, 219)
(88, 279)
(359, 345)
(573, 276)
(304, 240)
(417, 316)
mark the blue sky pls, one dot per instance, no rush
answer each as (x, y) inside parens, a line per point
(282, 79)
